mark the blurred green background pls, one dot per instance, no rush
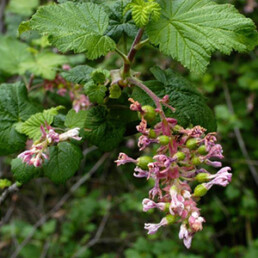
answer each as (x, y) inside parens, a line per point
(104, 217)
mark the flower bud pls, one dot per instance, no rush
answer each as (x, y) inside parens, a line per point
(179, 155)
(192, 144)
(143, 162)
(202, 150)
(163, 140)
(170, 219)
(152, 134)
(149, 113)
(202, 177)
(200, 190)
(196, 161)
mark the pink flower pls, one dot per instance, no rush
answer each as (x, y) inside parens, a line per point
(140, 172)
(144, 142)
(81, 103)
(149, 204)
(153, 228)
(185, 235)
(177, 202)
(52, 136)
(195, 221)
(142, 127)
(71, 134)
(222, 178)
(135, 106)
(123, 159)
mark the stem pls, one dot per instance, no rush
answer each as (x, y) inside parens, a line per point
(125, 58)
(152, 95)
(132, 52)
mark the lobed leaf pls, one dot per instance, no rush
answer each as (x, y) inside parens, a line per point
(31, 127)
(64, 161)
(79, 74)
(13, 54)
(14, 109)
(23, 172)
(78, 27)
(44, 64)
(74, 119)
(102, 129)
(190, 31)
(96, 93)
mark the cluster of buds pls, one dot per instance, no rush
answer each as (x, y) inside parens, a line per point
(36, 155)
(75, 91)
(178, 164)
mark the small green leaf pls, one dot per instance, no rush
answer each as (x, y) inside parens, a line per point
(44, 64)
(23, 172)
(64, 161)
(79, 74)
(100, 76)
(31, 127)
(96, 93)
(78, 27)
(14, 109)
(102, 129)
(13, 54)
(190, 31)
(120, 24)
(23, 27)
(74, 119)
(191, 107)
(143, 11)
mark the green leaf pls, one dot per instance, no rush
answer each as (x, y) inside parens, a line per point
(13, 53)
(102, 129)
(191, 107)
(143, 11)
(78, 27)
(79, 74)
(74, 119)
(14, 108)
(64, 161)
(22, 7)
(44, 64)
(100, 76)
(120, 23)
(190, 31)
(31, 127)
(96, 93)
(23, 172)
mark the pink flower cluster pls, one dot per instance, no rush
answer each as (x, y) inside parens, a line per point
(37, 153)
(176, 164)
(74, 91)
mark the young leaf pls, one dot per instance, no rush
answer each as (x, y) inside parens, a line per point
(191, 107)
(23, 172)
(143, 11)
(190, 31)
(103, 130)
(79, 74)
(31, 127)
(64, 161)
(120, 23)
(13, 53)
(96, 93)
(14, 108)
(74, 119)
(44, 64)
(78, 27)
